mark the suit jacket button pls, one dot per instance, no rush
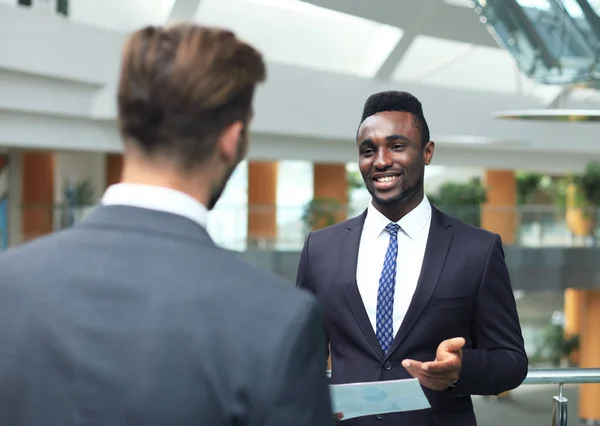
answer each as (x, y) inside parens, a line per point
(387, 366)
(379, 416)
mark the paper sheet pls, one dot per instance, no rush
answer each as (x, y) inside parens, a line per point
(363, 399)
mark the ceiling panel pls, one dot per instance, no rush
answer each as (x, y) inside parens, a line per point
(297, 33)
(458, 65)
(120, 15)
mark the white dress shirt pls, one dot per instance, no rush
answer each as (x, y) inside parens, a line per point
(374, 241)
(156, 198)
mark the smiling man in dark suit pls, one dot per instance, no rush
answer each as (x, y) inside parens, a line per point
(409, 291)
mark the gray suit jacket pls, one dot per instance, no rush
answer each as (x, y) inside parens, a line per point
(135, 318)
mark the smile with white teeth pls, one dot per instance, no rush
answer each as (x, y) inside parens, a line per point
(383, 183)
(386, 178)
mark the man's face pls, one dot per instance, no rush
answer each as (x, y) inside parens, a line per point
(391, 157)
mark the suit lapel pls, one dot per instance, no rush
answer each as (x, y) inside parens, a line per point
(438, 243)
(349, 259)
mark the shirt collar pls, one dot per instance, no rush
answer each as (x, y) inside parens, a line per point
(156, 198)
(411, 224)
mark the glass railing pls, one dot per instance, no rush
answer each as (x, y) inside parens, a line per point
(533, 225)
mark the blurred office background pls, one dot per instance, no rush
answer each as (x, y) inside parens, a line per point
(509, 88)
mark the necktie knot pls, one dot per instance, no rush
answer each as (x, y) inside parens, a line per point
(392, 229)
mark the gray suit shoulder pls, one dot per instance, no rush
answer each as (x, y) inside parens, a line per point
(269, 284)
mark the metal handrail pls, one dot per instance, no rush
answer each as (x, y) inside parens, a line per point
(544, 376)
(560, 377)
(556, 376)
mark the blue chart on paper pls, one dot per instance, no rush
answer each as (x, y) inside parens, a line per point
(374, 394)
(363, 399)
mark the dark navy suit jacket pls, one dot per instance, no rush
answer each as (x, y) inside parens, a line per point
(463, 290)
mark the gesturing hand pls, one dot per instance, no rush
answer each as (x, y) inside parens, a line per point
(440, 374)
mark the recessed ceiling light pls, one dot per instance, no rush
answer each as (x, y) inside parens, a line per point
(569, 115)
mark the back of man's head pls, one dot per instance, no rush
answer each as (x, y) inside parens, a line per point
(182, 86)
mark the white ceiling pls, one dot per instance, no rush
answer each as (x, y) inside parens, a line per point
(297, 33)
(353, 37)
(334, 51)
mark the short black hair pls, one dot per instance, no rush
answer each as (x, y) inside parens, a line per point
(394, 100)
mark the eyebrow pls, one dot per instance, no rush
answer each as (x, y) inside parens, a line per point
(390, 138)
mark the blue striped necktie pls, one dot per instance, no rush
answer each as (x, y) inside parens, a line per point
(385, 294)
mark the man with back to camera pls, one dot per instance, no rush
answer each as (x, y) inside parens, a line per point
(134, 317)
(409, 291)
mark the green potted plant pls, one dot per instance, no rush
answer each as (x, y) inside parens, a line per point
(79, 198)
(554, 347)
(582, 196)
(461, 199)
(529, 187)
(320, 213)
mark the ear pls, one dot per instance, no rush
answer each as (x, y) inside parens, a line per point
(230, 138)
(428, 152)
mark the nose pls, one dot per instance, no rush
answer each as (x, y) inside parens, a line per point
(383, 160)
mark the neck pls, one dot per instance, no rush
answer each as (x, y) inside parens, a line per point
(395, 212)
(166, 175)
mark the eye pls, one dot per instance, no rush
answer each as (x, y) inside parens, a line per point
(367, 151)
(398, 146)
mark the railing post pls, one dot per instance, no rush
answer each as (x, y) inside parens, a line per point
(560, 412)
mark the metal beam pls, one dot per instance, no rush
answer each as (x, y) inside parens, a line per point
(449, 21)
(183, 10)
(419, 21)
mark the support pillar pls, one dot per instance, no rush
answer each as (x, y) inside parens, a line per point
(330, 182)
(574, 300)
(37, 194)
(15, 198)
(262, 203)
(330, 194)
(114, 169)
(589, 354)
(498, 214)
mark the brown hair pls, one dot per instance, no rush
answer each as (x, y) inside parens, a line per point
(181, 86)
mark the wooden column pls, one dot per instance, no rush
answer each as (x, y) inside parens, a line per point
(262, 202)
(330, 183)
(589, 354)
(114, 169)
(574, 300)
(37, 191)
(498, 214)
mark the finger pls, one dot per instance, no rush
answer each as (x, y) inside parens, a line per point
(339, 416)
(450, 375)
(435, 384)
(441, 367)
(411, 363)
(452, 345)
(413, 368)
